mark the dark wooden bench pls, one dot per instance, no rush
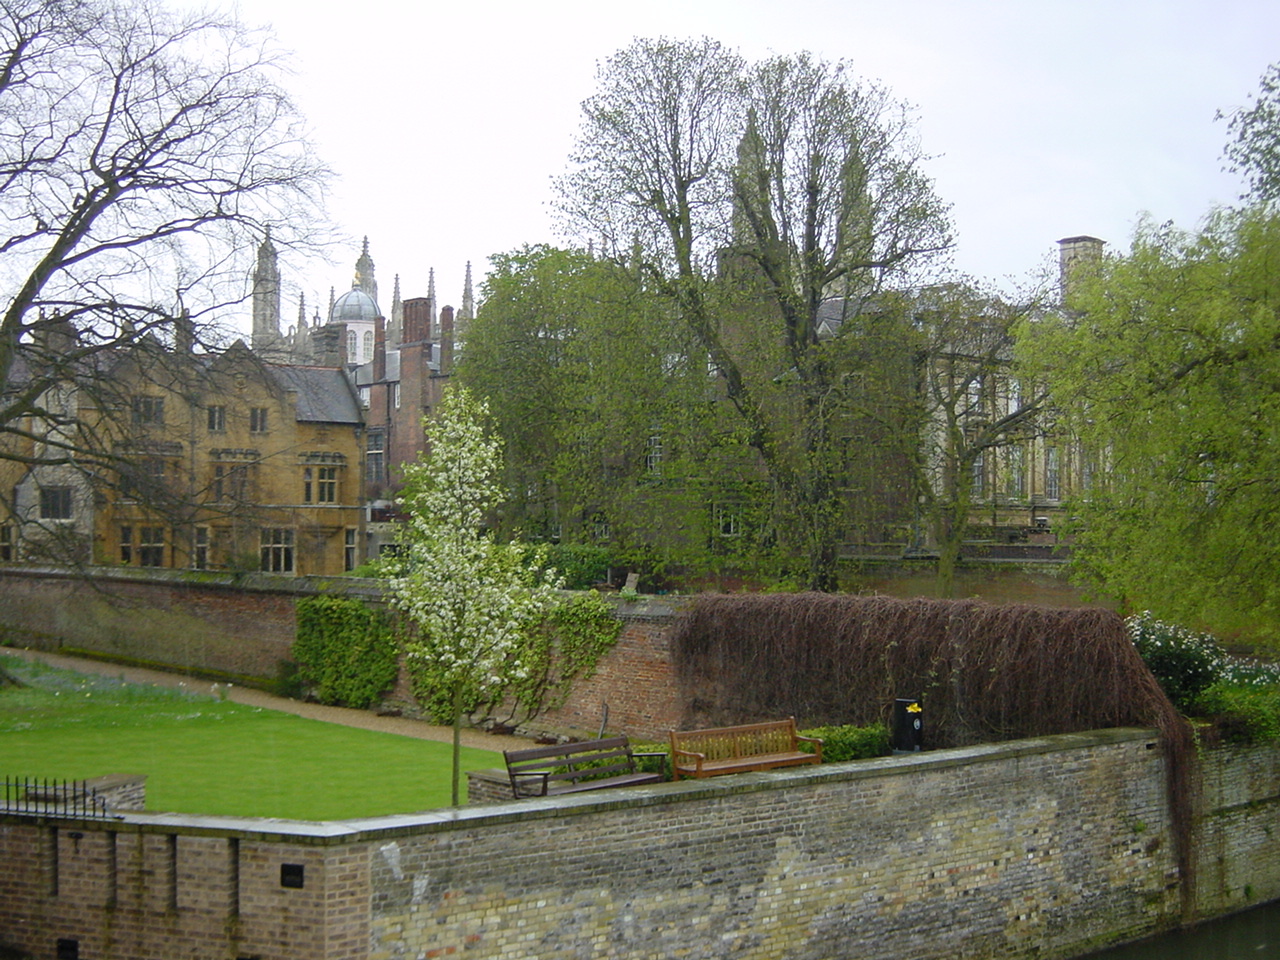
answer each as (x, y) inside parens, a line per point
(574, 767)
(752, 746)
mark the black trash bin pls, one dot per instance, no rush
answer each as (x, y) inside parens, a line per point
(908, 726)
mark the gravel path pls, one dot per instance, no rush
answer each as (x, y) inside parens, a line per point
(257, 698)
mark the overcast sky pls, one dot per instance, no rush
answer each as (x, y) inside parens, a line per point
(446, 121)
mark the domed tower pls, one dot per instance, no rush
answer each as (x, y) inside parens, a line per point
(358, 312)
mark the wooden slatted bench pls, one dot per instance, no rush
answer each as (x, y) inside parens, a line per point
(753, 746)
(574, 767)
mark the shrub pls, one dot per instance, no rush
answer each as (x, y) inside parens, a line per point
(652, 764)
(346, 652)
(850, 742)
(582, 565)
(1242, 713)
(1184, 662)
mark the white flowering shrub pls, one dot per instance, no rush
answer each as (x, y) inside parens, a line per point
(1184, 661)
(1188, 663)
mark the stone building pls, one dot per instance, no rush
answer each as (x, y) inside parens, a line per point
(203, 461)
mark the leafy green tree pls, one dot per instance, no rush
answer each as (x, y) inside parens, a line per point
(1168, 370)
(767, 204)
(1254, 149)
(603, 402)
(473, 599)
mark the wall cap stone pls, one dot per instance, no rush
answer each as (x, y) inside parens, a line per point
(324, 833)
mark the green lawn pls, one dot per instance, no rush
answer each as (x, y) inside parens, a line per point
(203, 755)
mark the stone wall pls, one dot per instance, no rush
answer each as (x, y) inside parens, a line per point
(1040, 848)
(1239, 836)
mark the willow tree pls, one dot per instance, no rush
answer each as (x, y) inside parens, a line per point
(769, 203)
(1168, 372)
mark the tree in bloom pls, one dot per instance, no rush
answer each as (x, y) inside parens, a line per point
(473, 600)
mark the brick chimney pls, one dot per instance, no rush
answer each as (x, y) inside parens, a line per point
(379, 350)
(417, 320)
(446, 339)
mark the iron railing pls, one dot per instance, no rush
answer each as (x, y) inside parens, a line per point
(51, 798)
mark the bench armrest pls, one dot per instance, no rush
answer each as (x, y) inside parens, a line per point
(817, 745)
(543, 775)
(662, 756)
(698, 758)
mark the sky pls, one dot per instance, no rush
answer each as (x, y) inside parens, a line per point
(446, 122)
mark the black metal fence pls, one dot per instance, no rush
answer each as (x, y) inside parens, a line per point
(52, 798)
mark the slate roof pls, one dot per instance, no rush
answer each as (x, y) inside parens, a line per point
(324, 394)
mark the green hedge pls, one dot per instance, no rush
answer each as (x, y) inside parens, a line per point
(347, 654)
(850, 742)
(1242, 713)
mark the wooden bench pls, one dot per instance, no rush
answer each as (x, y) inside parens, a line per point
(574, 767)
(753, 746)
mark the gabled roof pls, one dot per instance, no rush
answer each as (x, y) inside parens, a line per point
(324, 394)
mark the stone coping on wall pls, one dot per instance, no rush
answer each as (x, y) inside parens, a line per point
(330, 832)
(643, 607)
(212, 579)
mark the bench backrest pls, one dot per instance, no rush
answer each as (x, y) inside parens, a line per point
(752, 739)
(574, 761)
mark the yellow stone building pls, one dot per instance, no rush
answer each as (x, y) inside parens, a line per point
(198, 461)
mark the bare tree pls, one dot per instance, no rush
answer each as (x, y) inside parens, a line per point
(141, 153)
(770, 203)
(979, 417)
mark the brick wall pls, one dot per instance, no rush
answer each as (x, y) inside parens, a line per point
(635, 679)
(242, 626)
(1041, 848)
(1239, 856)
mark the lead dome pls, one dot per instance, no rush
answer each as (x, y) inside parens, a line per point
(355, 306)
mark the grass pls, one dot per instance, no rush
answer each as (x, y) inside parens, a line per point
(209, 756)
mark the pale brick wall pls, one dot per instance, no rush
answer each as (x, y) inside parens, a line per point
(1042, 848)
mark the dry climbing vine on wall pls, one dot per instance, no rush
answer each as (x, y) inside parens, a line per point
(982, 672)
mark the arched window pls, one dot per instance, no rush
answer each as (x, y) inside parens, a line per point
(351, 346)
(368, 345)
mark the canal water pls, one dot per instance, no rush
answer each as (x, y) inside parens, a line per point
(1251, 935)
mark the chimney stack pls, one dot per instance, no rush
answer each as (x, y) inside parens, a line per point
(1074, 254)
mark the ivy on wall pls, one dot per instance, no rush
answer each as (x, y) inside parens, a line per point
(347, 653)
(565, 647)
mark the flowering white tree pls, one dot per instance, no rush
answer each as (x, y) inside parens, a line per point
(473, 599)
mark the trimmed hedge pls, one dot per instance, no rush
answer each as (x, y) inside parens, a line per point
(850, 742)
(347, 654)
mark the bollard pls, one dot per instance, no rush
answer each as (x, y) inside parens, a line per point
(908, 726)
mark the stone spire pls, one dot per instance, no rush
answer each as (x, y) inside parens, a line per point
(364, 273)
(396, 328)
(468, 311)
(431, 294)
(266, 297)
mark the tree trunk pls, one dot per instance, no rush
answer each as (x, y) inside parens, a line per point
(457, 741)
